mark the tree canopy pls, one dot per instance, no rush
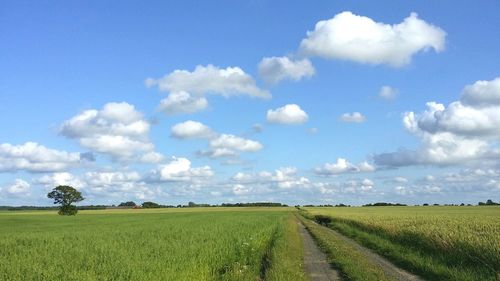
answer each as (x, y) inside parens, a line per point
(66, 195)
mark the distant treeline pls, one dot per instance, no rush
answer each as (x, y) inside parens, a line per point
(149, 204)
(378, 204)
(256, 204)
(327, 205)
(29, 208)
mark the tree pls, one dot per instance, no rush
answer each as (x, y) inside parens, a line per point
(66, 195)
(127, 204)
(149, 204)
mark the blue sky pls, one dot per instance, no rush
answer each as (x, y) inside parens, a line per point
(127, 66)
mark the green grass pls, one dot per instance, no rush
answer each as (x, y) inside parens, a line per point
(353, 265)
(189, 244)
(437, 243)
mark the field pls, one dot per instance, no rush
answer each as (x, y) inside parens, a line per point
(166, 244)
(437, 243)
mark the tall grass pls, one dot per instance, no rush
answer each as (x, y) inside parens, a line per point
(438, 243)
(204, 244)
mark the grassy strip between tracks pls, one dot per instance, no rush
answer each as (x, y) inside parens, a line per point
(352, 264)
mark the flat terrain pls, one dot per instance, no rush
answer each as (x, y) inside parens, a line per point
(316, 262)
(162, 244)
(433, 243)
(436, 243)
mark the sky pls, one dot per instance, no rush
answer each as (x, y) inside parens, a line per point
(334, 102)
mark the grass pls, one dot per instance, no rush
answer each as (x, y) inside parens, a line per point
(437, 243)
(190, 244)
(352, 264)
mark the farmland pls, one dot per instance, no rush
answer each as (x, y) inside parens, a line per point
(437, 243)
(190, 244)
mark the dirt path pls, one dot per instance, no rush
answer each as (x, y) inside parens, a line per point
(315, 261)
(390, 269)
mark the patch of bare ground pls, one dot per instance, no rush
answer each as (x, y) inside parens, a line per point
(316, 262)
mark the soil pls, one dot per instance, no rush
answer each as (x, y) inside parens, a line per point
(389, 268)
(316, 262)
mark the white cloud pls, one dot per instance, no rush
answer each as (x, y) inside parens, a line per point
(367, 185)
(152, 157)
(18, 188)
(401, 179)
(33, 157)
(118, 130)
(275, 69)
(343, 166)
(220, 145)
(402, 190)
(104, 179)
(239, 189)
(103, 185)
(388, 93)
(62, 178)
(351, 37)
(290, 114)
(357, 186)
(235, 143)
(282, 178)
(482, 93)
(179, 169)
(355, 117)
(465, 130)
(191, 130)
(365, 167)
(187, 89)
(182, 102)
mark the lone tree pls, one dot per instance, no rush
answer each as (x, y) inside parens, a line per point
(65, 195)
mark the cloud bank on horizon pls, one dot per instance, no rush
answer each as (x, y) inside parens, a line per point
(219, 129)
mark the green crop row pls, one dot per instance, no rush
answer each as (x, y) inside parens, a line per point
(165, 245)
(438, 243)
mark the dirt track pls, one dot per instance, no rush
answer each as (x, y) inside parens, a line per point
(315, 261)
(390, 269)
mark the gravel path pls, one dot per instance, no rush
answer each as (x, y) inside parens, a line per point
(315, 261)
(390, 269)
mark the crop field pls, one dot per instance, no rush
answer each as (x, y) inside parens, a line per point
(437, 243)
(163, 244)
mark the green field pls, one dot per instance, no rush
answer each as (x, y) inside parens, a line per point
(162, 244)
(437, 243)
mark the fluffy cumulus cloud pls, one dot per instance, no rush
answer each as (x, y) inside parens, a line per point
(187, 89)
(18, 188)
(388, 93)
(61, 178)
(103, 186)
(182, 102)
(179, 169)
(191, 130)
(358, 38)
(358, 186)
(220, 145)
(33, 157)
(464, 130)
(355, 117)
(227, 145)
(276, 69)
(290, 114)
(118, 130)
(282, 178)
(342, 166)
